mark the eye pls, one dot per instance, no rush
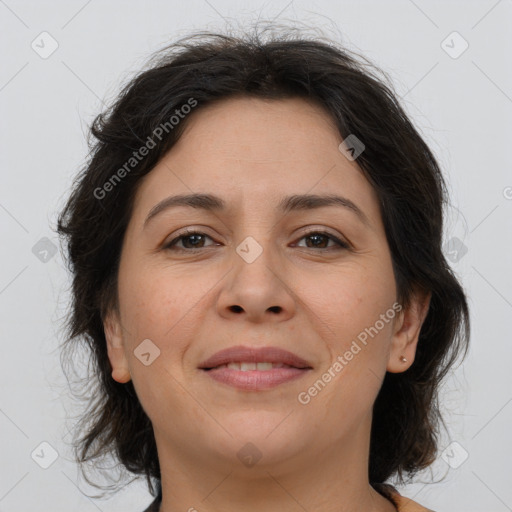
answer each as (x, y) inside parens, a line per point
(190, 240)
(318, 240)
(193, 240)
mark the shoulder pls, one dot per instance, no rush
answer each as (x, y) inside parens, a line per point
(407, 505)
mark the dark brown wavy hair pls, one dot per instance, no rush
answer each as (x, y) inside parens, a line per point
(273, 64)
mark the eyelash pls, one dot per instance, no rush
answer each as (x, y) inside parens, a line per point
(341, 244)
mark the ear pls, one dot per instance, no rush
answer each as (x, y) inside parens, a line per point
(115, 347)
(407, 329)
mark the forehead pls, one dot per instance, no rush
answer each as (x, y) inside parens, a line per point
(252, 152)
(254, 128)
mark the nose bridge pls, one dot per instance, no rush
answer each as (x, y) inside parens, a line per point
(254, 226)
(255, 261)
(255, 285)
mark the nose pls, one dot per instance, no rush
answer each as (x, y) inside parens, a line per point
(257, 290)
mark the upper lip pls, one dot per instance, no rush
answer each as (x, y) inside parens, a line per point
(241, 353)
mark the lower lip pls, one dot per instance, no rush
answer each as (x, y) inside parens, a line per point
(256, 380)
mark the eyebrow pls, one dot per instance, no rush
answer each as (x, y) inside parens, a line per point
(302, 202)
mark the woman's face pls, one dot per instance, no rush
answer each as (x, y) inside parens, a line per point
(258, 276)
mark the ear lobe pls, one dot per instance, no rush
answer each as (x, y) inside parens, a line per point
(115, 348)
(407, 332)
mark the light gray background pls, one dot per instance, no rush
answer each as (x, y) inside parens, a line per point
(462, 105)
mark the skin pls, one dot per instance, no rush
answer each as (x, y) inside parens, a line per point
(314, 456)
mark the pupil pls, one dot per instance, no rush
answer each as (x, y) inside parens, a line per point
(197, 237)
(316, 237)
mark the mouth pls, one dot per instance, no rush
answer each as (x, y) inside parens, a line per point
(254, 369)
(247, 356)
(247, 366)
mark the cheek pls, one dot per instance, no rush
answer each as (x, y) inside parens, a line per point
(152, 305)
(358, 343)
(349, 300)
(348, 318)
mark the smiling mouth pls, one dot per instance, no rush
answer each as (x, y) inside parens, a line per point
(250, 366)
(249, 376)
(254, 368)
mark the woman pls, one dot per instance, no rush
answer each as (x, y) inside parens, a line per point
(257, 269)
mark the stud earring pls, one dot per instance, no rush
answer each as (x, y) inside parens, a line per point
(403, 359)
